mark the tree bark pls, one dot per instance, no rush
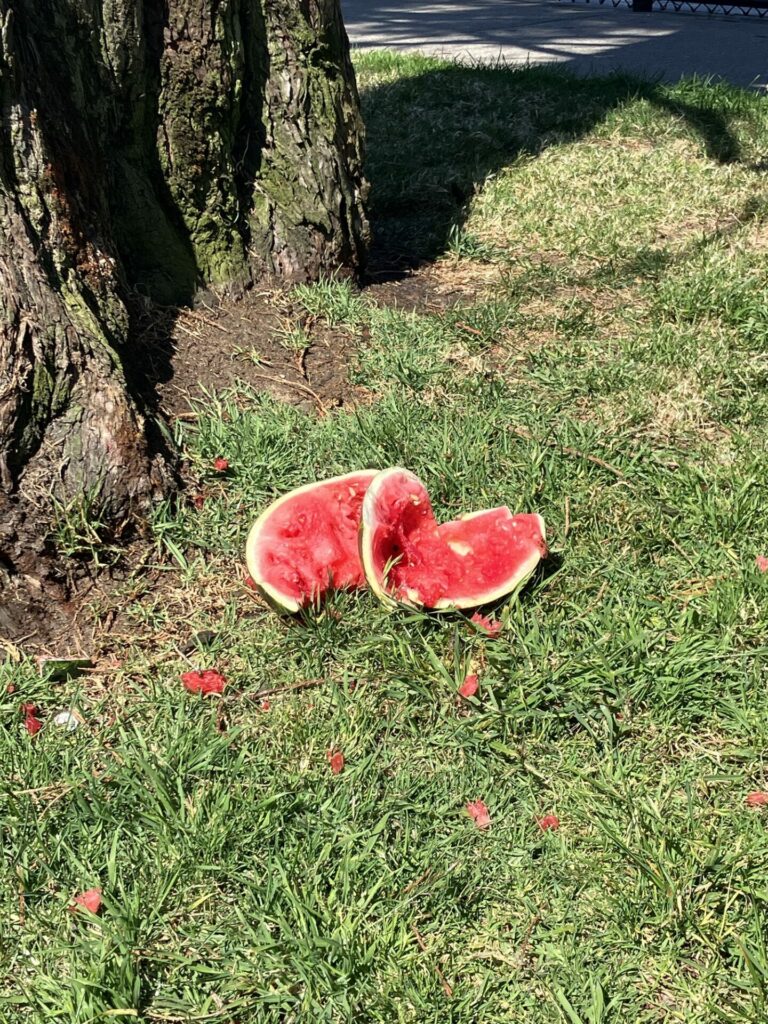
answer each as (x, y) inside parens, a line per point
(152, 147)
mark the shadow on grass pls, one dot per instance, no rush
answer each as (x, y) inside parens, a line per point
(438, 132)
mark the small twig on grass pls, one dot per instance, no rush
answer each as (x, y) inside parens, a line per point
(417, 881)
(60, 789)
(681, 551)
(471, 330)
(291, 384)
(186, 330)
(593, 604)
(272, 690)
(422, 946)
(526, 941)
(54, 800)
(185, 656)
(522, 432)
(592, 458)
(171, 1019)
(204, 320)
(567, 526)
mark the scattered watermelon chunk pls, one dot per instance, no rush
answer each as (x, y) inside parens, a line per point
(471, 561)
(307, 541)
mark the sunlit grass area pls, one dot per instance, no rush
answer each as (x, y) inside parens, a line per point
(604, 365)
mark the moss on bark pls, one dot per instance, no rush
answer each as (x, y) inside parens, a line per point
(156, 147)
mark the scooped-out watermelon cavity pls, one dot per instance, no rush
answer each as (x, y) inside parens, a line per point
(407, 556)
(306, 542)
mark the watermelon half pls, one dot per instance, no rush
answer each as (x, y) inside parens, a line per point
(408, 557)
(306, 542)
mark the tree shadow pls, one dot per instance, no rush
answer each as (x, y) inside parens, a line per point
(438, 135)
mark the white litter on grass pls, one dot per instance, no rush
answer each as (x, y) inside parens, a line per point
(67, 720)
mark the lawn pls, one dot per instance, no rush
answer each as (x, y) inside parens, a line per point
(603, 362)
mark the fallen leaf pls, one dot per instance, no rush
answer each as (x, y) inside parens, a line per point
(206, 682)
(469, 687)
(762, 563)
(64, 667)
(89, 900)
(550, 822)
(757, 799)
(9, 652)
(335, 760)
(198, 501)
(491, 627)
(477, 810)
(220, 464)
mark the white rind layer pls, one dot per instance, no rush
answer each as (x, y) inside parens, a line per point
(368, 522)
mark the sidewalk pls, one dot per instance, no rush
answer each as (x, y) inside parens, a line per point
(585, 37)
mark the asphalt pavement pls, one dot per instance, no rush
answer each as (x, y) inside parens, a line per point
(587, 37)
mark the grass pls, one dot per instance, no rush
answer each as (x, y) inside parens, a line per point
(607, 367)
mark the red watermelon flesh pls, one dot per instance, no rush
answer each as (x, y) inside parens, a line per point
(470, 561)
(307, 541)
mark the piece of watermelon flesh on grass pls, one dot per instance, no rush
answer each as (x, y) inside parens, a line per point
(306, 542)
(470, 561)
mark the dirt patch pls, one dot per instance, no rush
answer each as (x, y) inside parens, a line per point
(263, 340)
(269, 342)
(436, 287)
(39, 619)
(55, 606)
(28, 613)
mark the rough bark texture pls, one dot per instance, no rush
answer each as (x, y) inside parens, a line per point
(309, 202)
(67, 423)
(153, 147)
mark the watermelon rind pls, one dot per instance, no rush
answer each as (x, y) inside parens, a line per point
(375, 576)
(368, 522)
(280, 600)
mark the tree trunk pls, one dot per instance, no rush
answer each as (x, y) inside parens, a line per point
(151, 147)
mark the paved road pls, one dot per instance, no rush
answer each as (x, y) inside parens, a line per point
(586, 37)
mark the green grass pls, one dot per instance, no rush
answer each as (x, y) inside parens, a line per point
(611, 236)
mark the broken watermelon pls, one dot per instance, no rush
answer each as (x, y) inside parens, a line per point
(306, 542)
(471, 561)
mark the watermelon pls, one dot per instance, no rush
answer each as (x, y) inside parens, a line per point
(407, 557)
(306, 542)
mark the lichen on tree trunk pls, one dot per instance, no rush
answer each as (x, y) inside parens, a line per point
(261, 138)
(68, 425)
(308, 217)
(153, 147)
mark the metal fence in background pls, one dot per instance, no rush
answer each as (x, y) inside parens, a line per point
(757, 8)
